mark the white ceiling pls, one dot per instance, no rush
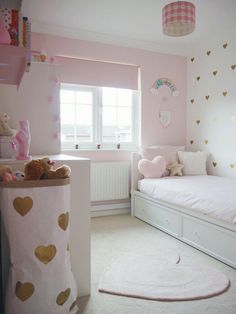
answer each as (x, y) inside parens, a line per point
(132, 23)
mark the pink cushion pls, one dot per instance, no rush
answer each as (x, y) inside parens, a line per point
(152, 168)
(168, 151)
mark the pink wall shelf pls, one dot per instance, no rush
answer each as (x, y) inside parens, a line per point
(13, 62)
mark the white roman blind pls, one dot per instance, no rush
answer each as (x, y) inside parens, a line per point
(97, 73)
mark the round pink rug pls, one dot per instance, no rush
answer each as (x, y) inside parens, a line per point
(162, 278)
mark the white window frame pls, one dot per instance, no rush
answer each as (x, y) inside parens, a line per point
(97, 122)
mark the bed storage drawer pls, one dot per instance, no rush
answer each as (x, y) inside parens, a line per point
(210, 238)
(163, 219)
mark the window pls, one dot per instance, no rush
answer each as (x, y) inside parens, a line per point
(98, 117)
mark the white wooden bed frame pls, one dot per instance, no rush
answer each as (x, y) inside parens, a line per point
(212, 236)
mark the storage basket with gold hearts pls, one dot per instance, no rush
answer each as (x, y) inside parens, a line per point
(36, 218)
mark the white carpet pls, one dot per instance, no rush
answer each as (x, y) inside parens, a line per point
(161, 275)
(114, 236)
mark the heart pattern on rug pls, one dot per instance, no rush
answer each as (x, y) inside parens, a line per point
(23, 205)
(45, 254)
(24, 291)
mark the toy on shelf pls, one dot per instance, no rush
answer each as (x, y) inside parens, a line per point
(6, 174)
(19, 175)
(40, 169)
(5, 129)
(22, 138)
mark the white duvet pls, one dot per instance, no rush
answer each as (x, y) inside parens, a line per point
(211, 195)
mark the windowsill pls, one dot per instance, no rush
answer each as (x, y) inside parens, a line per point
(99, 150)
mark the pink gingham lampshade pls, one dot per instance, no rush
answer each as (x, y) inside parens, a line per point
(178, 18)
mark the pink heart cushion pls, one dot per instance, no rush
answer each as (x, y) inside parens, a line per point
(152, 168)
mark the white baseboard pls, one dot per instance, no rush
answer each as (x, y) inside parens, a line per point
(110, 209)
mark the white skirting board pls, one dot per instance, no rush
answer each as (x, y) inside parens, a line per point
(110, 209)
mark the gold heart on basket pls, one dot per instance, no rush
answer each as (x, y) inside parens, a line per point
(198, 78)
(191, 142)
(206, 141)
(207, 97)
(23, 205)
(214, 163)
(192, 100)
(233, 66)
(208, 52)
(225, 45)
(63, 220)
(224, 93)
(45, 253)
(214, 72)
(232, 166)
(198, 121)
(63, 296)
(192, 59)
(24, 291)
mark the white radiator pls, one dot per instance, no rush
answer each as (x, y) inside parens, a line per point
(109, 181)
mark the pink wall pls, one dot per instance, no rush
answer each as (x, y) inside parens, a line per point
(152, 65)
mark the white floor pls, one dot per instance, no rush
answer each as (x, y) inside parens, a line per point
(115, 235)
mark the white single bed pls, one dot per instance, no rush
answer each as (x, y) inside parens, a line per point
(199, 210)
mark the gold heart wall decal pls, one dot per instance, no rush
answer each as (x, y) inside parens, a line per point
(207, 97)
(192, 100)
(191, 142)
(63, 296)
(233, 66)
(225, 45)
(198, 121)
(214, 163)
(45, 253)
(63, 221)
(24, 291)
(192, 59)
(206, 141)
(198, 78)
(224, 93)
(73, 305)
(23, 205)
(232, 166)
(214, 72)
(208, 52)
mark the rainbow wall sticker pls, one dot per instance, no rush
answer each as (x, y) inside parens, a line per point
(164, 81)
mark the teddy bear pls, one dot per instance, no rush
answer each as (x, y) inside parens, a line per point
(40, 169)
(175, 169)
(5, 130)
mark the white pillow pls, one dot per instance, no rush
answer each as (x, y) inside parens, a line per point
(194, 163)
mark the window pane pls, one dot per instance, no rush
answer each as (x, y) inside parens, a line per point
(83, 133)
(84, 120)
(109, 116)
(109, 96)
(84, 115)
(124, 98)
(84, 98)
(67, 113)
(67, 96)
(124, 116)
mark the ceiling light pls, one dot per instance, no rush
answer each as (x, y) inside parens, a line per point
(178, 18)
